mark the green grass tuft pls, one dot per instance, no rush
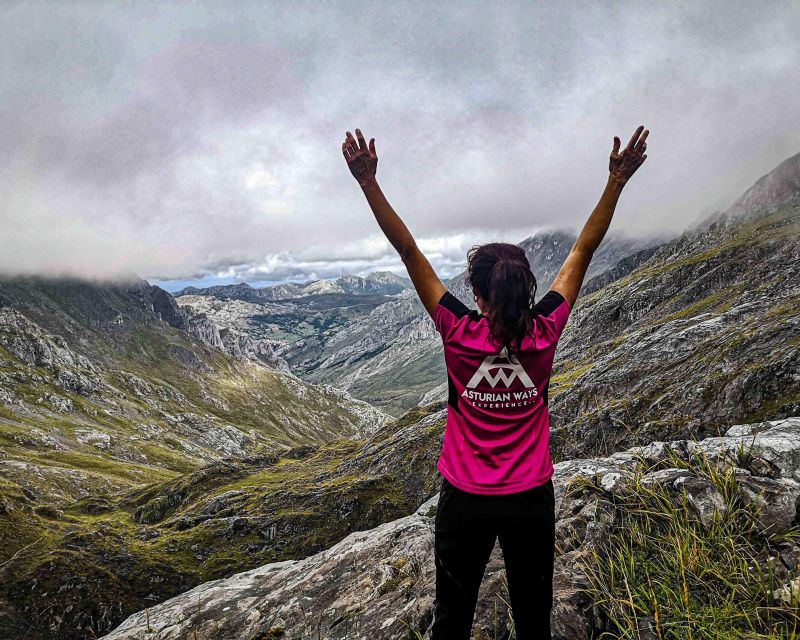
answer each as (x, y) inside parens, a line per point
(663, 574)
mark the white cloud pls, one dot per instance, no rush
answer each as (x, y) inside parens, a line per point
(447, 254)
(186, 140)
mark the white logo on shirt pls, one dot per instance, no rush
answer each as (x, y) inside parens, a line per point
(513, 367)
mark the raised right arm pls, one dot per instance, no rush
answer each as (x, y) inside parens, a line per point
(621, 167)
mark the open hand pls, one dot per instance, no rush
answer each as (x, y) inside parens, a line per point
(623, 165)
(361, 158)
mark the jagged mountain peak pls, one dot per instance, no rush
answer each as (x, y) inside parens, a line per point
(374, 276)
(220, 291)
(549, 236)
(777, 188)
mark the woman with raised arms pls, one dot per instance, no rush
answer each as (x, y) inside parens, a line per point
(495, 461)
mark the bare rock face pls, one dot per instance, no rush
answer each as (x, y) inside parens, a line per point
(379, 583)
(34, 346)
(229, 340)
(241, 345)
(775, 189)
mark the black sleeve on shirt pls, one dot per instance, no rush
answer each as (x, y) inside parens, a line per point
(454, 305)
(548, 303)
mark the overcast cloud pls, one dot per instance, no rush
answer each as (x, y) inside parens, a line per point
(204, 141)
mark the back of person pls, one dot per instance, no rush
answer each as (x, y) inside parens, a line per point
(497, 437)
(495, 461)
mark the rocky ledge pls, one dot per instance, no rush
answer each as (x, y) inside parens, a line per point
(380, 583)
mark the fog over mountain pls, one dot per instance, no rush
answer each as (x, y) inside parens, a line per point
(203, 141)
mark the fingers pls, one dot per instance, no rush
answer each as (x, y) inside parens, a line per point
(362, 144)
(641, 146)
(635, 135)
(348, 150)
(615, 150)
(351, 147)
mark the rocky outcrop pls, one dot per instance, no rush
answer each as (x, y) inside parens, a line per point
(241, 345)
(231, 341)
(778, 188)
(380, 583)
(35, 347)
(702, 334)
(165, 307)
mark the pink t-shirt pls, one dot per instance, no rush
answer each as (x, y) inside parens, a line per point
(497, 435)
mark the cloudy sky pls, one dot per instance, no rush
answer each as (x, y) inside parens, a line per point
(203, 142)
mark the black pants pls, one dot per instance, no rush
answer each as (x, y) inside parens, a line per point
(467, 525)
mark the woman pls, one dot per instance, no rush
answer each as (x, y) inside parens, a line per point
(495, 461)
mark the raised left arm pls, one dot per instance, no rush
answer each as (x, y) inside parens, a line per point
(363, 162)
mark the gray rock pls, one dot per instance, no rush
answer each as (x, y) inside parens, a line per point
(777, 500)
(380, 583)
(704, 497)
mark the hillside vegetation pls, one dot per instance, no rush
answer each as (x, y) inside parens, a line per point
(149, 451)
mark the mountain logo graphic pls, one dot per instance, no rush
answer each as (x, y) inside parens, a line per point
(505, 369)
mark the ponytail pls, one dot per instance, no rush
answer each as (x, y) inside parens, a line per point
(502, 275)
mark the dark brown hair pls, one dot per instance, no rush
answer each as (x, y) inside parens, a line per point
(501, 274)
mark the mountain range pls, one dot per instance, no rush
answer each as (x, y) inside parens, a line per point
(382, 349)
(150, 444)
(378, 282)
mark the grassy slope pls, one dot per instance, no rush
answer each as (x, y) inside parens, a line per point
(155, 406)
(106, 556)
(167, 402)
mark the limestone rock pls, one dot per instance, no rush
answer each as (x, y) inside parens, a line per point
(379, 583)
